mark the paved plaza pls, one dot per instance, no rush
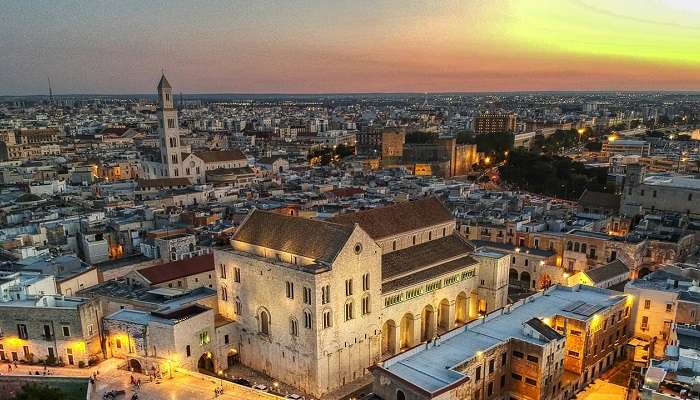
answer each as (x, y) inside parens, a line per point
(181, 387)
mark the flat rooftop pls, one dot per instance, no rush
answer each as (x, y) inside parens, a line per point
(432, 367)
(684, 182)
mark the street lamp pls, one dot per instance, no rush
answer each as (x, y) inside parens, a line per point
(221, 379)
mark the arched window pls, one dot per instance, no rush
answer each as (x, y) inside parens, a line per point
(577, 247)
(293, 327)
(327, 319)
(307, 319)
(349, 310)
(264, 322)
(569, 246)
(400, 395)
(238, 306)
(224, 293)
(584, 247)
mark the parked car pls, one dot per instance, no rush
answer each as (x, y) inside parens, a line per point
(243, 382)
(260, 386)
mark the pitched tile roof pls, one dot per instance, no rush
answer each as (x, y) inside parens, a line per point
(178, 269)
(388, 221)
(428, 274)
(599, 199)
(314, 239)
(424, 255)
(608, 271)
(220, 156)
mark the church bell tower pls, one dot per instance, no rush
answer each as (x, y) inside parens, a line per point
(170, 155)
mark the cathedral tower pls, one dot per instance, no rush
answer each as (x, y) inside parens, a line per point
(170, 155)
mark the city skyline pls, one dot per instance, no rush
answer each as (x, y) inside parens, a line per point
(351, 47)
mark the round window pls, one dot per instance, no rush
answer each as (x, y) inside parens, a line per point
(358, 248)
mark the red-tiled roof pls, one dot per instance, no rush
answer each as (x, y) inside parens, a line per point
(388, 221)
(318, 240)
(219, 156)
(178, 269)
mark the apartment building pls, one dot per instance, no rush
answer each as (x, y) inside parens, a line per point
(53, 328)
(546, 346)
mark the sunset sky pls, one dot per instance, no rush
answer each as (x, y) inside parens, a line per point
(258, 46)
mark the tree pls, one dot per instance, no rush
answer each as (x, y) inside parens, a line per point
(494, 145)
(552, 175)
(33, 391)
(594, 146)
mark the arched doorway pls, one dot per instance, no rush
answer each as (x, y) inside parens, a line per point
(135, 366)
(545, 281)
(406, 339)
(389, 337)
(206, 362)
(444, 323)
(513, 276)
(483, 307)
(461, 309)
(427, 321)
(400, 395)
(232, 358)
(525, 279)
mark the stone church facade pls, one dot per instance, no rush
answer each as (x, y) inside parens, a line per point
(316, 303)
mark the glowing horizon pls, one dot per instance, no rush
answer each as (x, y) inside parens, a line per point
(350, 46)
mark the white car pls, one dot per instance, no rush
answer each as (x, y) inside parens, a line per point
(260, 386)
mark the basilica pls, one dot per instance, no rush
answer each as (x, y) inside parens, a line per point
(315, 303)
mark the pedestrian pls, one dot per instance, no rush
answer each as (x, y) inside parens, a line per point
(9, 367)
(138, 383)
(132, 380)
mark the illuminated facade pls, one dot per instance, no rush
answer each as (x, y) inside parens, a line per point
(189, 337)
(316, 303)
(547, 346)
(51, 328)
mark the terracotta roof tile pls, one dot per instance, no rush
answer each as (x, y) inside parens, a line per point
(178, 269)
(220, 156)
(599, 199)
(388, 221)
(608, 271)
(415, 258)
(314, 239)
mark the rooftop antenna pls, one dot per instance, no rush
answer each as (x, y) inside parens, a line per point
(50, 91)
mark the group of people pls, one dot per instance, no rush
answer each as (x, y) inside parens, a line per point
(218, 391)
(136, 382)
(45, 372)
